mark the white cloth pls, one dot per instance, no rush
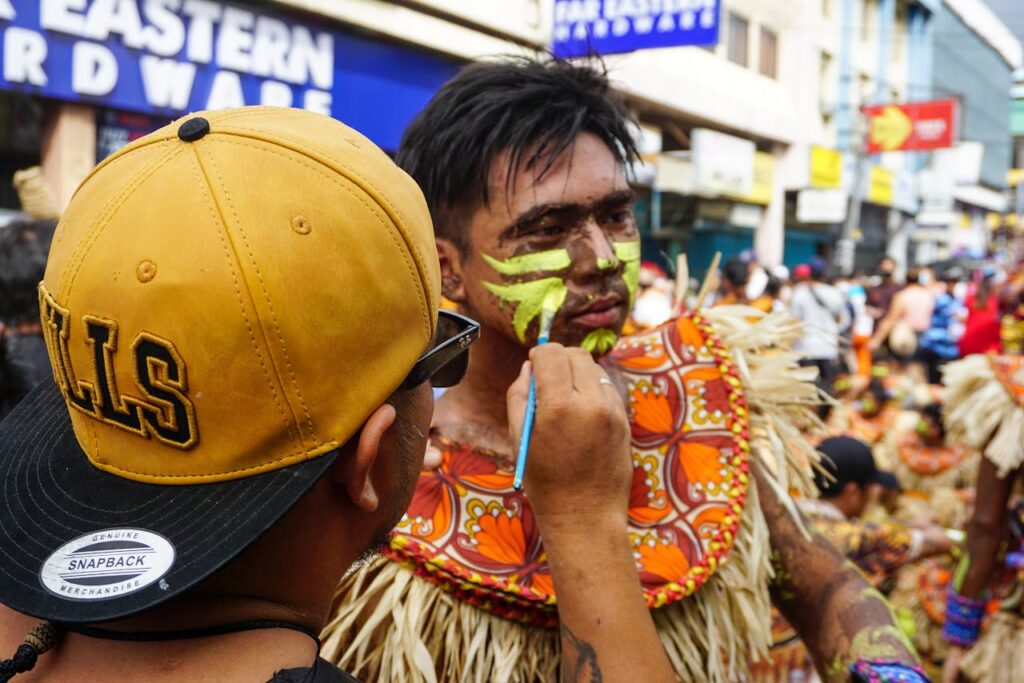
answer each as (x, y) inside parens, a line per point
(823, 312)
(863, 323)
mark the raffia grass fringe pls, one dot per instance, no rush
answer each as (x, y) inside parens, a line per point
(780, 393)
(979, 411)
(998, 657)
(390, 625)
(34, 194)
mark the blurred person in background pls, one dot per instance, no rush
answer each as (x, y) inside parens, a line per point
(880, 296)
(861, 328)
(822, 309)
(849, 483)
(910, 314)
(23, 359)
(780, 288)
(733, 287)
(981, 331)
(758, 279)
(654, 304)
(939, 341)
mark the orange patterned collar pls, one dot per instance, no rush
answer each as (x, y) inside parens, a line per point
(470, 532)
(928, 460)
(1009, 371)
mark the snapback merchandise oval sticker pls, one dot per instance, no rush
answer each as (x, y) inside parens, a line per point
(107, 564)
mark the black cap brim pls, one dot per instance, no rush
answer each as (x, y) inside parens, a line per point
(51, 494)
(887, 480)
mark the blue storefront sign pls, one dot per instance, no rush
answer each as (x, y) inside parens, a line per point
(169, 57)
(585, 27)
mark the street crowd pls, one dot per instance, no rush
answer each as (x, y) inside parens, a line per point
(919, 321)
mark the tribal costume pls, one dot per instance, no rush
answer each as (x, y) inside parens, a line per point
(464, 592)
(924, 469)
(985, 410)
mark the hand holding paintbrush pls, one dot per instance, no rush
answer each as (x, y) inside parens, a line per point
(552, 302)
(579, 446)
(578, 480)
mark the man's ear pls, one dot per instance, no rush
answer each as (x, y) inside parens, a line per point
(453, 284)
(354, 471)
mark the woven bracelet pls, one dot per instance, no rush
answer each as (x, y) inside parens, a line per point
(963, 619)
(886, 671)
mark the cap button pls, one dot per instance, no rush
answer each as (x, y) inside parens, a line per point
(193, 129)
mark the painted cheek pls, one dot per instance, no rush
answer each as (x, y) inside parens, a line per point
(532, 297)
(629, 254)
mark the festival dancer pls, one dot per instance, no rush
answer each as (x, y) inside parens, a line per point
(985, 411)
(522, 163)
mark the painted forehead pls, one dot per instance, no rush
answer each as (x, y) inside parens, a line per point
(583, 173)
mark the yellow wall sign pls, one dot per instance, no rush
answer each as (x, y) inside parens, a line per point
(880, 186)
(1014, 177)
(764, 180)
(826, 168)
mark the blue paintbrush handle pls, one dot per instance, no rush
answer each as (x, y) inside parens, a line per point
(524, 439)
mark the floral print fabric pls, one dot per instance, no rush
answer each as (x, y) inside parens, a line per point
(468, 530)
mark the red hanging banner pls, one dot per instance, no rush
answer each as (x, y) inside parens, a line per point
(909, 127)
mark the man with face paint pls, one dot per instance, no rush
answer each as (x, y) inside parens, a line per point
(523, 167)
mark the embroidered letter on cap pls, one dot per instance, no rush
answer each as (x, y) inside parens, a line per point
(164, 411)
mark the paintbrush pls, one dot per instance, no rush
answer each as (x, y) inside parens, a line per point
(552, 302)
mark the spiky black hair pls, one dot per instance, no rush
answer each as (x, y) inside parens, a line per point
(532, 109)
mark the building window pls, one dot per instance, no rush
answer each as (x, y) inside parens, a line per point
(769, 53)
(867, 15)
(867, 89)
(826, 82)
(899, 34)
(739, 30)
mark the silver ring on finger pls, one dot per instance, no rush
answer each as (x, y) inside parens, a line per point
(605, 380)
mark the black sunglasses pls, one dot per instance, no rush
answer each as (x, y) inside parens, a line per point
(445, 364)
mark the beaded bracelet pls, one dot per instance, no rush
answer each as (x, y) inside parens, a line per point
(886, 671)
(963, 619)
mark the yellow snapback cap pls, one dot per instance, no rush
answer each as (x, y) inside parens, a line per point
(225, 303)
(236, 293)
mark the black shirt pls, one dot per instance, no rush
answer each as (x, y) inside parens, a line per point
(322, 671)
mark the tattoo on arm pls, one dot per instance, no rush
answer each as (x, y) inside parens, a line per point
(579, 660)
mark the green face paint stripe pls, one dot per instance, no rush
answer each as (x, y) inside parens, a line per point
(529, 298)
(629, 254)
(605, 264)
(599, 341)
(627, 251)
(541, 261)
